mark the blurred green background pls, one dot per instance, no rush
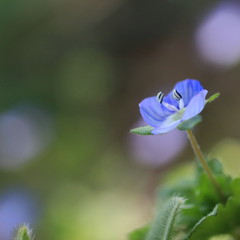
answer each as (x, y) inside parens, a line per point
(71, 76)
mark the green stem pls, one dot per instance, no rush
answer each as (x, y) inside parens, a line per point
(200, 156)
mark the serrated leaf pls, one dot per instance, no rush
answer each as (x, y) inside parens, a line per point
(189, 124)
(225, 221)
(195, 228)
(145, 130)
(213, 97)
(139, 234)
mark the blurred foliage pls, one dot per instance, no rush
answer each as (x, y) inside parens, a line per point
(201, 196)
(139, 233)
(223, 220)
(227, 150)
(203, 216)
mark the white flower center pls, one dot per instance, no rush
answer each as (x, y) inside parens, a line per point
(173, 108)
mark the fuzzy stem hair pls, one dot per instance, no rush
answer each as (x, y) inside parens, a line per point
(166, 219)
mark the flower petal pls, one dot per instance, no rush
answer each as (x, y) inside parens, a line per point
(170, 100)
(169, 123)
(153, 112)
(195, 105)
(188, 89)
(166, 128)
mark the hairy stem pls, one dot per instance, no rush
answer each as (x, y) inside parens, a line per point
(200, 156)
(167, 217)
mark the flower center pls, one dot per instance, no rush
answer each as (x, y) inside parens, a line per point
(176, 95)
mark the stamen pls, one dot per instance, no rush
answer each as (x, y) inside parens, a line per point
(176, 95)
(160, 96)
(181, 104)
(170, 107)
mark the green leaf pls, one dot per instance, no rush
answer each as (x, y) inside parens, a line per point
(199, 192)
(164, 224)
(214, 164)
(146, 130)
(139, 234)
(23, 233)
(235, 187)
(213, 97)
(206, 191)
(225, 221)
(189, 124)
(195, 228)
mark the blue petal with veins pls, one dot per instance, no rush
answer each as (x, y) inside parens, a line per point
(167, 115)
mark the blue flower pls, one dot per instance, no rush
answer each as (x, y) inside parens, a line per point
(184, 102)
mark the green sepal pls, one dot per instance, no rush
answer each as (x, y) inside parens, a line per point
(146, 130)
(213, 97)
(139, 234)
(189, 124)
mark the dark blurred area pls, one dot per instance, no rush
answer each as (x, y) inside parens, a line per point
(71, 76)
